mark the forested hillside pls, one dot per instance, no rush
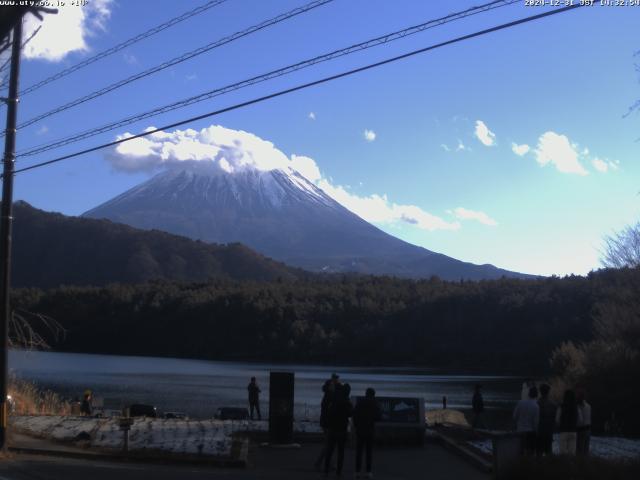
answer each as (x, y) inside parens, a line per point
(493, 325)
(51, 249)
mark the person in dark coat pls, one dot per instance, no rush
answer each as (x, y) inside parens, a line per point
(568, 417)
(338, 420)
(85, 406)
(365, 415)
(546, 422)
(254, 398)
(477, 403)
(327, 397)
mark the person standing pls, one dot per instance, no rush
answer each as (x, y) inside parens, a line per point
(583, 433)
(567, 418)
(86, 408)
(365, 415)
(254, 398)
(527, 417)
(339, 412)
(526, 386)
(327, 397)
(547, 423)
(477, 403)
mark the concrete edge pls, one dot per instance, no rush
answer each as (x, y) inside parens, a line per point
(472, 457)
(237, 459)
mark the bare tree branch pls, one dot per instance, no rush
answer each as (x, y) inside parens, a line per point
(33, 330)
(622, 249)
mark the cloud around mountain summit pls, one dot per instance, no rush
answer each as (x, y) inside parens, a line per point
(228, 151)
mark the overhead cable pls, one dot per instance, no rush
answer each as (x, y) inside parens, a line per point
(127, 43)
(305, 85)
(176, 60)
(267, 76)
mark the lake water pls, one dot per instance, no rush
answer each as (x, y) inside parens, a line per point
(199, 387)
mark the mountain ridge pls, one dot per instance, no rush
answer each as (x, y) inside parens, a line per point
(52, 249)
(282, 215)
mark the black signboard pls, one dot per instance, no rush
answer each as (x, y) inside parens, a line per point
(281, 386)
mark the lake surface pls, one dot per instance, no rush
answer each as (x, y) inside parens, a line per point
(199, 387)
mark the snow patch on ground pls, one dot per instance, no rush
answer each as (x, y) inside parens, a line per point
(614, 448)
(203, 437)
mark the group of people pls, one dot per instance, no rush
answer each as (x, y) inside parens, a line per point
(335, 410)
(537, 417)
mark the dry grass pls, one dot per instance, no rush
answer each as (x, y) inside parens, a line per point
(30, 400)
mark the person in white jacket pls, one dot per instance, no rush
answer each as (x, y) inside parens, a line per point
(527, 417)
(583, 433)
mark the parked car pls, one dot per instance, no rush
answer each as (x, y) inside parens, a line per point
(142, 410)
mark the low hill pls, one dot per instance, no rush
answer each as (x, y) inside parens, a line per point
(51, 249)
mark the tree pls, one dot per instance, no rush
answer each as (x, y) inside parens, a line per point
(622, 249)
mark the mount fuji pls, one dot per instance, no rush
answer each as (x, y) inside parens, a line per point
(280, 214)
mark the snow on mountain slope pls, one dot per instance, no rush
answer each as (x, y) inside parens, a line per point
(279, 213)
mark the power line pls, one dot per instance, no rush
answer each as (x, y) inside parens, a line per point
(307, 85)
(5, 82)
(174, 61)
(268, 76)
(125, 44)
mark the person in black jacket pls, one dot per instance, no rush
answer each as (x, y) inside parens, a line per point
(338, 420)
(327, 396)
(86, 406)
(477, 403)
(365, 416)
(254, 398)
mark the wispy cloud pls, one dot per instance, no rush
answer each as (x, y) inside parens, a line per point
(520, 150)
(191, 77)
(67, 31)
(311, 116)
(369, 135)
(461, 147)
(466, 214)
(42, 130)
(130, 58)
(603, 166)
(486, 136)
(379, 209)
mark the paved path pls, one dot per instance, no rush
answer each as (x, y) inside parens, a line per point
(430, 461)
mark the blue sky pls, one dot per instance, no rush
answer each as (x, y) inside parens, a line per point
(423, 147)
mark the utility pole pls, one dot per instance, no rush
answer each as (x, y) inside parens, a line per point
(6, 221)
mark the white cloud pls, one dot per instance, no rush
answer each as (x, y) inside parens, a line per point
(191, 77)
(557, 150)
(466, 214)
(231, 151)
(461, 147)
(307, 167)
(603, 166)
(379, 209)
(520, 150)
(65, 32)
(42, 130)
(312, 116)
(600, 165)
(369, 135)
(445, 147)
(130, 58)
(486, 136)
